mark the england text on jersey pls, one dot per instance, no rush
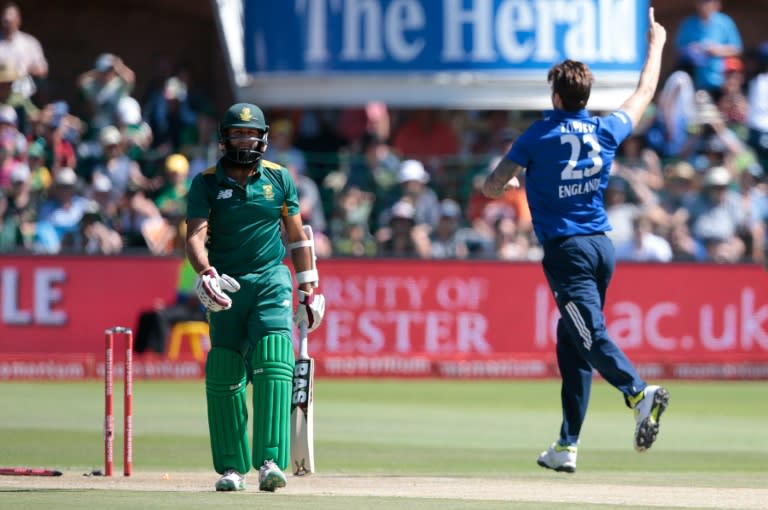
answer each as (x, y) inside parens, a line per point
(578, 188)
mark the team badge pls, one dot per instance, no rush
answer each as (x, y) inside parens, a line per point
(269, 193)
(245, 115)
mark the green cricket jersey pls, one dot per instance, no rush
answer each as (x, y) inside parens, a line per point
(243, 222)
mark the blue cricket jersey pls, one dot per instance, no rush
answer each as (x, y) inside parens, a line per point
(568, 158)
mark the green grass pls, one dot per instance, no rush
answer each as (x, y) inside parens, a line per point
(712, 436)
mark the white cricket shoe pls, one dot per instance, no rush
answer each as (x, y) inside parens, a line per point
(231, 480)
(270, 477)
(558, 457)
(648, 412)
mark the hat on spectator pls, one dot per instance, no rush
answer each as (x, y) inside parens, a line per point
(450, 209)
(412, 170)
(714, 144)
(716, 176)
(733, 64)
(65, 177)
(109, 135)
(403, 210)
(128, 111)
(35, 150)
(20, 173)
(175, 89)
(8, 115)
(101, 183)
(681, 170)
(8, 73)
(281, 126)
(104, 62)
(177, 164)
(619, 184)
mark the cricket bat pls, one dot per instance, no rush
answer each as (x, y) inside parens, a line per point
(302, 438)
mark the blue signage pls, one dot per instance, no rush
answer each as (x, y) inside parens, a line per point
(321, 37)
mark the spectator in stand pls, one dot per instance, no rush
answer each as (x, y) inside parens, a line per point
(676, 197)
(281, 146)
(8, 139)
(58, 224)
(58, 132)
(675, 111)
(171, 118)
(711, 142)
(101, 89)
(100, 193)
(403, 237)
(645, 245)
(21, 213)
(755, 202)
(375, 169)
(350, 229)
(621, 208)
(26, 111)
(716, 216)
(96, 237)
(413, 179)
(448, 240)
(733, 103)
(684, 247)
(121, 169)
(23, 50)
(757, 119)
(636, 161)
(136, 133)
(171, 197)
(707, 38)
(41, 177)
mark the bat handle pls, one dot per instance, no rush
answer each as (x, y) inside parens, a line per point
(303, 350)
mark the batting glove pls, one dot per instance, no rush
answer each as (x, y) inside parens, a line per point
(310, 310)
(210, 289)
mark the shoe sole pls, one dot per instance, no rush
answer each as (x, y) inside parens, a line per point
(559, 469)
(649, 428)
(272, 482)
(229, 488)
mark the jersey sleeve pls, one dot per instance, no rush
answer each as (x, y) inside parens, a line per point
(291, 203)
(198, 205)
(616, 126)
(519, 153)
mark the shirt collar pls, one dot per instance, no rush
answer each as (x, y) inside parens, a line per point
(221, 175)
(562, 114)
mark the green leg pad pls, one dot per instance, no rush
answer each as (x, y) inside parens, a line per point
(272, 384)
(225, 382)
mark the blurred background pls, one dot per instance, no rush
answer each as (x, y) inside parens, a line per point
(388, 115)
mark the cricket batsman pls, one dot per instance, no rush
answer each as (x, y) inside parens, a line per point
(235, 211)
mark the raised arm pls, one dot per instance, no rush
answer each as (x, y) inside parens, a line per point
(637, 103)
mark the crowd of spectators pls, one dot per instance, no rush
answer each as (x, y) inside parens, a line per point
(689, 185)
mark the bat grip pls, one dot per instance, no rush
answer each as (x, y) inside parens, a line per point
(303, 350)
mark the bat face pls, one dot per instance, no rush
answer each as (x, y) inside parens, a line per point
(302, 440)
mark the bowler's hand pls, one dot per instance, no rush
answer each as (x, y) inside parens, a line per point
(657, 34)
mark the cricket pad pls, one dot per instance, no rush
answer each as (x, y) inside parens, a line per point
(272, 380)
(225, 383)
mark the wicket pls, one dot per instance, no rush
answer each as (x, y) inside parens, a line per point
(109, 419)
